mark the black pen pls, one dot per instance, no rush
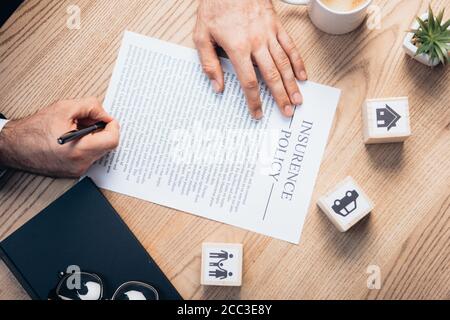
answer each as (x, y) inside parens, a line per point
(78, 134)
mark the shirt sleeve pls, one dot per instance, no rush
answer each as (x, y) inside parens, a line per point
(2, 123)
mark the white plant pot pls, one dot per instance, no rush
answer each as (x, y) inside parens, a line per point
(411, 49)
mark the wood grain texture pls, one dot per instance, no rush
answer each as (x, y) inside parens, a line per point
(407, 235)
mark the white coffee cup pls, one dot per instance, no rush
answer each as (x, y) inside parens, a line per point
(331, 21)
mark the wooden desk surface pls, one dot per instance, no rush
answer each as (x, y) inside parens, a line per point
(408, 233)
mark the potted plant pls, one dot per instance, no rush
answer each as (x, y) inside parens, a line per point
(428, 41)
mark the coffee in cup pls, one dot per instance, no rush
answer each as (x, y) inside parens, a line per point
(335, 16)
(343, 5)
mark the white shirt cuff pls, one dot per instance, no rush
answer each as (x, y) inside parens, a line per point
(2, 123)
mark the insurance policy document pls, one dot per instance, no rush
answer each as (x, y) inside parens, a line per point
(186, 147)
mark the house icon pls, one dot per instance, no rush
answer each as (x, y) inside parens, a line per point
(387, 118)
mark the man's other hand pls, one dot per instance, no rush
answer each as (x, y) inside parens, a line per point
(30, 144)
(250, 32)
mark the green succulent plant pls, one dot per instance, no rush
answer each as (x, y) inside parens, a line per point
(433, 37)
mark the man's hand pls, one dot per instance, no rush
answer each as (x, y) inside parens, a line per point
(30, 144)
(250, 31)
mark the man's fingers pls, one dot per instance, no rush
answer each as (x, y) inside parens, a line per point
(102, 140)
(287, 74)
(88, 109)
(210, 61)
(291, 50)
(274, 81)
(249, 82)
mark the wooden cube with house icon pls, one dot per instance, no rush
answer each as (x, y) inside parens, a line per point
(345, 204)
(221, 264)
(386, 120)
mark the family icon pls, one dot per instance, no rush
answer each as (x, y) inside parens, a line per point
(221, 264)
(218, 271)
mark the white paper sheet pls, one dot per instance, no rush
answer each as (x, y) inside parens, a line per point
(185, 147)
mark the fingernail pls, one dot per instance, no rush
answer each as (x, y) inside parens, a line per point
(303, 76)
(289, 111)
(297, 98)
(216, 86)
(258, 114)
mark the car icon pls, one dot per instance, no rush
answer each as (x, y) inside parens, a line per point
(347, 204)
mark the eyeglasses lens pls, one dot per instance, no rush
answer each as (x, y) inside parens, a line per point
(80, 286)
(136, 291)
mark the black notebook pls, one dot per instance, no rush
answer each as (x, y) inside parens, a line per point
(80, 228)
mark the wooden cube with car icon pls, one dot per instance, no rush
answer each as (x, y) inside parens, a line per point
(345, 204)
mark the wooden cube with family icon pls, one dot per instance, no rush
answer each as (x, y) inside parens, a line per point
(222, 264)
(346, 204)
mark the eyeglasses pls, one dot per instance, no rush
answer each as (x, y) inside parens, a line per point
(89, 286)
